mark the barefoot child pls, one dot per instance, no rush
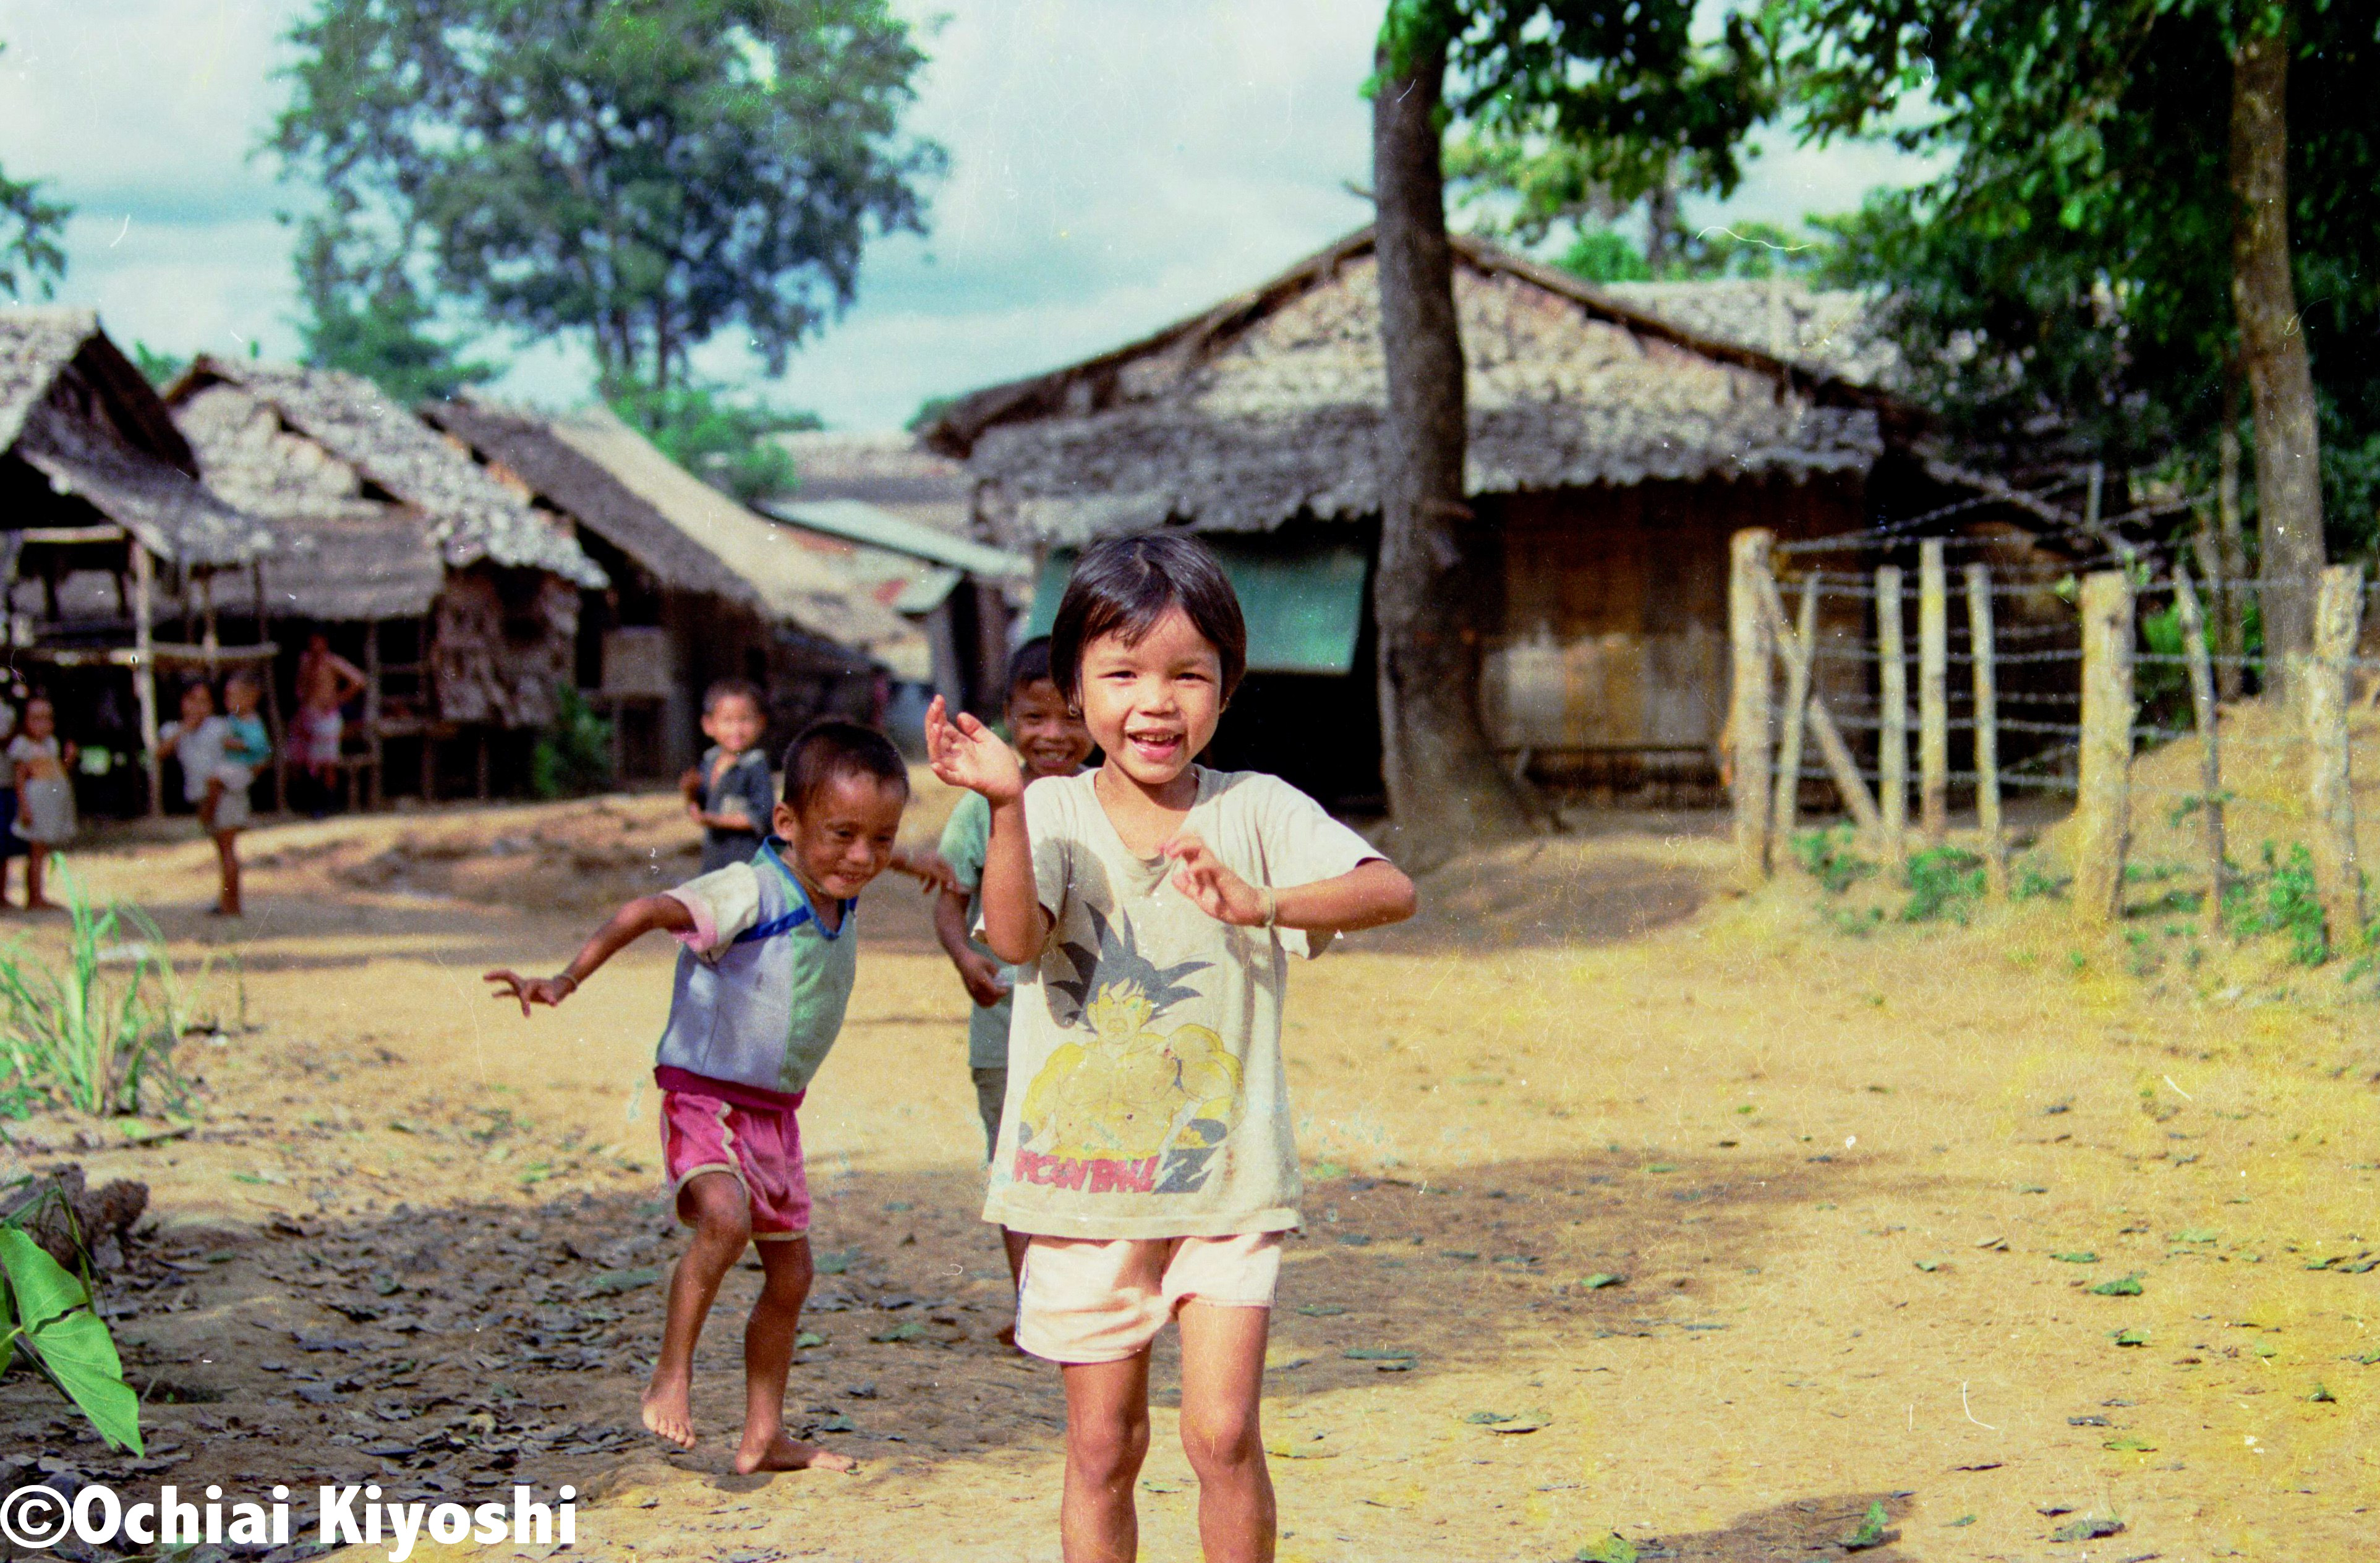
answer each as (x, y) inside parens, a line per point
(219, 755)
(728, 793)
(1151, 906)
(45, 807)
(1050, 739)
(760, 990)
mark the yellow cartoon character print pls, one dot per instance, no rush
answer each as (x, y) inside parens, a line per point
(1141, 1107)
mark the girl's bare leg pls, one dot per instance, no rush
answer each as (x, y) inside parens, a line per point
(1222, 1387)
(34, 900)
(228, 860)
(723, 1225)
(1107, 1438)
(768, 1358)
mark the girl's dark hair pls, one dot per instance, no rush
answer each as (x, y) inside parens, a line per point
(1123, 586)
(830, 749)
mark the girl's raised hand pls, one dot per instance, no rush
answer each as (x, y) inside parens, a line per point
(1210, 884)
(965, 753)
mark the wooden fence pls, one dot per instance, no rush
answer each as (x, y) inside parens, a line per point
(2086, 660)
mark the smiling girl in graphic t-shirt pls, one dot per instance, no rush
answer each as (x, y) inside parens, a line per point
(1151, 906)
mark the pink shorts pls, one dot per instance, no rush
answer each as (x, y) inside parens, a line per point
(1088, 1301)
(760, 1148)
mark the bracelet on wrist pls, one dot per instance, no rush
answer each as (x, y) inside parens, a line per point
(565, 976)
(1272, 907)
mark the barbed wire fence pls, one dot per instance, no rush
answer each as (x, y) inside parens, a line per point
(2052, 676)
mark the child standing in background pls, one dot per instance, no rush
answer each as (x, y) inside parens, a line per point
(728, 793)
(1050, 739)
(1151, 907)
(46, 806)
(212, 749)
(11, 843)
(762, 986)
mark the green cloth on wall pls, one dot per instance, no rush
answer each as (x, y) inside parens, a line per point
(1304, 603)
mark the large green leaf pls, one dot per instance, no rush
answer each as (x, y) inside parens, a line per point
(43, 1286)
(77, 1351)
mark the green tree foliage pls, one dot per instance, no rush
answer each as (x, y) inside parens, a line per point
(366, 316)
(31, 258)
(642, 175)
(2064, 288)
(722, 439)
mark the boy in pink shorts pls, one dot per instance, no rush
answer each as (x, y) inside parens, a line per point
(760, 991)
(1150, 908)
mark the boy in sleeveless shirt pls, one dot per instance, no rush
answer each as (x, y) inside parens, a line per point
(760, 990)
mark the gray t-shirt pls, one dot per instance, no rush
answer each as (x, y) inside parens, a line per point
(743, 791)
(760, 987)
(1145, 1096)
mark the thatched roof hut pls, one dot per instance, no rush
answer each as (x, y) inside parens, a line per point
(701, 587)
(1616, 439)
(687, 535)
(88, 442)
(379, 507)
(1267, 407)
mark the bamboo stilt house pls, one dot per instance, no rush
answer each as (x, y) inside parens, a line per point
(1611, 453)
(458, 599)
(700, 588)
(105, 531)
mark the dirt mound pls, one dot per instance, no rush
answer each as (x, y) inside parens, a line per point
(2264, 770)
(1561, 890)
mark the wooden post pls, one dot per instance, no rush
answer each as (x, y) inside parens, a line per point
(2339, 879)
(1837, 754)
(2231, 638)
(1748, 705)
(1933, 693)
(1893, 735)
(1798, 647)
(144, 672)
(374, 747)
(2102, 810)
(1987, 729)
(2205, 712)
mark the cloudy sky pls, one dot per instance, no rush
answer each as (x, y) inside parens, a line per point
(1115, 164)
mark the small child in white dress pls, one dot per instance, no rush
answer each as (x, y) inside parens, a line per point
(46, 806)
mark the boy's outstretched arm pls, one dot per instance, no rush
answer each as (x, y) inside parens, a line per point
(1369, 895)
(968, 754)
(629, 924)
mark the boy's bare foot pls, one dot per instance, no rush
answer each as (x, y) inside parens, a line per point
(669, 1411)
(782, 1453)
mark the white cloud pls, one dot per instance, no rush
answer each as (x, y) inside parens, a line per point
(1115, 164)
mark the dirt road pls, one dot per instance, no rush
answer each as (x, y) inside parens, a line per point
(1632, 1209)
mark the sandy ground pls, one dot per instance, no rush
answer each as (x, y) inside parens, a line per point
(1632, 1209)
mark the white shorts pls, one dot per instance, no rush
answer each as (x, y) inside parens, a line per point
(1092, 1300)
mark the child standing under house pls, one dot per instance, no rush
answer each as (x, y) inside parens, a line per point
(727, 795)
(1146, 1145)
(11, 843)
(219, 757)
(1050, 739)
(760, 991)
(46, 806)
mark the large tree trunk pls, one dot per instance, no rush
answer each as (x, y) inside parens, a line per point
(2273, 352)
(1446, 792)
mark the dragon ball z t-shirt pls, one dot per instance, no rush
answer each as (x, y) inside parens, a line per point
(1145, 1098)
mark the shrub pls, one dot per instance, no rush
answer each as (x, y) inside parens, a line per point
(1943, 883)
(78, 1032)
(574, 755)
(2280, 900)
(1828, 856)
(45, 1309)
